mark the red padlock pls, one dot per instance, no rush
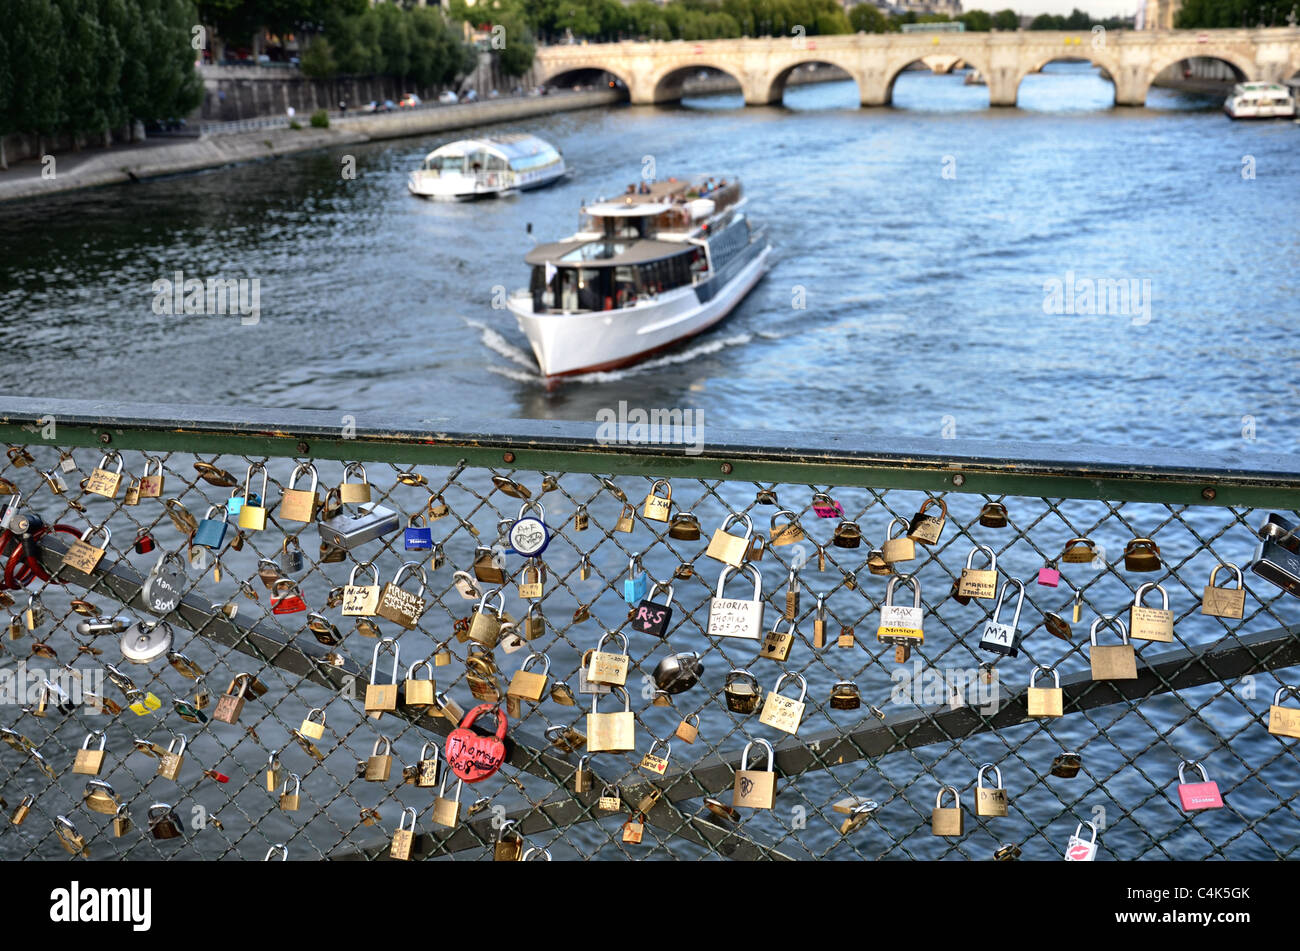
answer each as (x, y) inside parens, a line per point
(472, 757)
(1197, 796)
(286, 603)
(143, 542)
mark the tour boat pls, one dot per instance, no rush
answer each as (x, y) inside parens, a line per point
(1259, 101)
(648, 269)
(487, 167)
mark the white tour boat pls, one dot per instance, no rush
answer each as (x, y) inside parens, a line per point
(1260, 101)
(647, 270)
(487, 167)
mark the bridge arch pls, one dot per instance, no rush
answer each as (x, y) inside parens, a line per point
(666, 84)
(581, 75)
(1243, 68)
(894, 68)
(776, 81)
(1108, 66)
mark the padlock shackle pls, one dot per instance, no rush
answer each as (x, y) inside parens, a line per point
(997, 775)
(897, 520)
(956, 797)
(606, 636)
(992, 556)
(411, 566)
(485, 709)
(735, 674)
(388, 747)
(1056, 676)
(1142, 593)
(738, 517)
(370, 568)
(746, 568)
(1114, 621)
(1283, 691)
(744, 755)
(500, 600)
(1231, 567)
(627, 700)
(911, 581)
(401, 822)
(664, 482)
(248, 483)
(300, 469)
(803, 684)
(1182, 767)
(384, 644)
(1020, 602)
(660, 586)
(1090, 825)
(546, 662)
(791, 519)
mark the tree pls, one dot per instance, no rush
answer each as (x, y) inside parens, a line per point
(977, 21)
(1078, 20)
(36, 49)
(317, 60)
(1006, 20)
(1045, 21)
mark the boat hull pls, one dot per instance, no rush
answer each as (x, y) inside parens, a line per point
(466, 188)
(568, 344)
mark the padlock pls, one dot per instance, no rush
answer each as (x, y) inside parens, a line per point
(586, 686)
(782, 712)
(757, 545)
(472, 756)
(169, 764)
(382, 697)
(299, 505)
(530, 587)
(1000, 638)
(565, 738)
(231, 704)
(84, 556)
(526, 685)
(979, 582)
(582, 775)
(417, 537)
(1045, 701)
(446, 706)
(404, 837)
(1194, 797)
(1066, 765)
(1224, 602)
(609, 667)
(324, 630)
(900, 547)
(653, 763)
(1079, 551)
(684, 527)
(659, 507)
(1142, 554)
(426, 767)
(741, 691)
(1277, 560)
(144, 542)
(845, 695)
(164, 823)
(626, 520)
(777, 643)
(993, 515)
(1151, 624)
(990, 800)
(436, 508)
(731, 549)
(1049, 576)
(581, 519)
(211, 532)
(901, 625)
(1079, 850)
(1077, 612)
(653, 616)
(824, 506)
(736, 617)
(819, 623)
(612, 732)
(1284, 721)
(24, 807)
(100, 797)
(755, 788)
(290, 801)
(348, 531)
(351, 492)
(1112, 661)
(419, 693)
(485, 626)
(400, 606)
(274, 771)
(529, 535)
(787, 534)
(446, 812)
(947, 821)
(72, 841)
(489, 565)
(102, 481)
(584, 568)
(379, 766)
(609, 800)
(252, 515)
(792, 595)
(361, 600)
(633, 830)
(310, 727)
(121, 821)
(687, 731)
(291, 560)
(847, 535)
(286, 598)
(89, 762)
(924, 528)
(637, 583)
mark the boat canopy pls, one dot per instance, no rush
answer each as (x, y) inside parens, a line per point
(625, 209)
(518, 151)
(604, 253)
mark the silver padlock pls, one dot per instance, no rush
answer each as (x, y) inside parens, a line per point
(348, 531)
(1002, 638)
(1278, 557)
(165, 585)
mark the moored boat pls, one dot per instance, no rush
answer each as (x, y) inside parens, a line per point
(657, 265)
(487, 167)
(1260, 101)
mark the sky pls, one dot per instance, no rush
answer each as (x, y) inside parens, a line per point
(1098, 9)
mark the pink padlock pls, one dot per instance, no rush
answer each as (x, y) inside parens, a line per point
(1196, 796)
(826, 507)
(1048, 576)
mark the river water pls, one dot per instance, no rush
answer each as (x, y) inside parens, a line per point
(922, 241)
(919, 238)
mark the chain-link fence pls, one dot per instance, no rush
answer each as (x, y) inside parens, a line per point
(884, 727)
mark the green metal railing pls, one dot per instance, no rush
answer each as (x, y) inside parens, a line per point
(1203, 697)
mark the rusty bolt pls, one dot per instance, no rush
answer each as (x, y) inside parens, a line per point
(959, 479)
(303, 448)
(726, 468)
(106, 438)
(509, 457)
(1208, 494)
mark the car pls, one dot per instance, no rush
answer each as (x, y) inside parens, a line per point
(410, 100)
(471, 96)
(447, 97)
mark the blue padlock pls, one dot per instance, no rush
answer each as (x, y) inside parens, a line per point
(418, 537)
(236, 502)
(211, 532)
(636, 584)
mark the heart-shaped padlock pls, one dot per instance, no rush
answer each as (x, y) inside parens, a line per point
(473, 757)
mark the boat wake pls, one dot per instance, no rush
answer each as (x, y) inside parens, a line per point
(526, 369)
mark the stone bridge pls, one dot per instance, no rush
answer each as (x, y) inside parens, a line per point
(654, 71)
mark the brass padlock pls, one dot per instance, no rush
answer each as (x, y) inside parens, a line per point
(1045, 701)
(24, 807)
(687, 731)
(979, 582)
(485, 625)
(100, 797)
(845, 696)
(1079, 551)
(527, 685)
(72, 841)
(777, 643)
(1066, 765)
(1142, 554)
(897, 547)
(582, 776)
(786, 534)
(611, 732)
(990, 800)
(230, 704)
(446, 812)
(380, 765)
(819, 623)
(89, 762)
(1284, 721)
(626, 520)
(581, 519)
(382, 698)
(728, 548)
(163, 822)
(847, 535)
(169, 764)
(993, 515)
(509, 846)
(419, 693)
(1112, 661)
(684, 527)
(299, 505)
(755, 788)
(426, 768)
(947, 821)
(659, 507)
(310, 728)
(741, 691)
(404, 837)
(289, 801)
(1151, 624)
(274, 771)
(924, 528)
(1224, 602)
(781, 712)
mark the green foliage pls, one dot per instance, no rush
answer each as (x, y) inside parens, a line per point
(320, 119)
(977, 21)
(1207, 14)
(317, 59)
(1006, 20)
(1046, 21)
